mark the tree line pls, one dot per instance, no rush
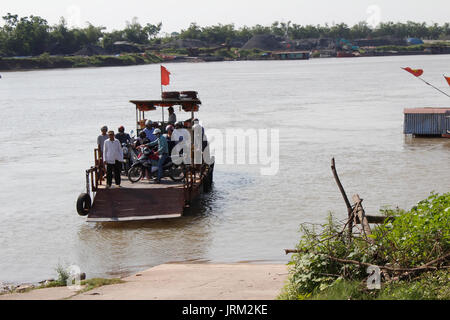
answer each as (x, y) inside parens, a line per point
(31, 36)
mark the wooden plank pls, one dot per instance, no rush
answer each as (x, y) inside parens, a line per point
(362, 216)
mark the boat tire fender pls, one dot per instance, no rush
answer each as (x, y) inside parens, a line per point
(83, 204)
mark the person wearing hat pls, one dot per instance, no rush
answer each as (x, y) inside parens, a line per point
(100, 142)
(122, 136)
(149, 130)
(163, 151)
(113, 158)
(101, 139)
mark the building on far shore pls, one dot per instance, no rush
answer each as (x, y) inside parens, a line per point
(290, 55)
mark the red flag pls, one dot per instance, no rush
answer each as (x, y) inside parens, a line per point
(448, 80)
(165, 79)
(414, 72)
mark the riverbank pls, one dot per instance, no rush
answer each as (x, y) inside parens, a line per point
(179, 281)
(45, 61)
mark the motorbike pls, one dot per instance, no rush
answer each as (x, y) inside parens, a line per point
(148, 160)
(130, 156)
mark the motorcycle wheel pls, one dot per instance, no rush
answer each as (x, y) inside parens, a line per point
(135, 174)
(176, 173)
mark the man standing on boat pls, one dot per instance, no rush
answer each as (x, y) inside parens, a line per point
(100, 142)
(101, 139)
(172, 116)
(113, 158)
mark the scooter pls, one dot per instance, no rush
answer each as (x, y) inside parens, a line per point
(148, 160)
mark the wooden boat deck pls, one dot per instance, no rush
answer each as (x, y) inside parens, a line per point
(138, 201)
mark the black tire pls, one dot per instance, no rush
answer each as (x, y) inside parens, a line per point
(176, 173)
(135, 173)
(84, 204)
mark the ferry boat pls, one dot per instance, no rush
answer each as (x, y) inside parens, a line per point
(144, 200)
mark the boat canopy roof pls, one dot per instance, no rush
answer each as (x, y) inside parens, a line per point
(187, 105)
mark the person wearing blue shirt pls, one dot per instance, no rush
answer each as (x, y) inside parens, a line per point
(149, 131)
(163, 151)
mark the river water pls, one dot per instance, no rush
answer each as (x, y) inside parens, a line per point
(350, 109)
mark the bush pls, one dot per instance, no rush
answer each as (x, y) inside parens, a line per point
(417, 236)
(414, 238)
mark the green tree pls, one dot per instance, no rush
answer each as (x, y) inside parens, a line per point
(24, 36)
(135, 32)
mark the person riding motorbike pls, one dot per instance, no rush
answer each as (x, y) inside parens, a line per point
(163, 151)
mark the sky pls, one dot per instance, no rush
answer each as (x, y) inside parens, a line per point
(176, 14)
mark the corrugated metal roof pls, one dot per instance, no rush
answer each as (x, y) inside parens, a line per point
(426, 110)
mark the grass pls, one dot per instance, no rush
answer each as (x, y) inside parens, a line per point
(429, 286)
(63, 276)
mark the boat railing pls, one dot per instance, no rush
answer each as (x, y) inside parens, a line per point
(94, 175)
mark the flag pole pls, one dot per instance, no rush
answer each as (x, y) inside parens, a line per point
(434, 87)
(426, 82)
(162, 108)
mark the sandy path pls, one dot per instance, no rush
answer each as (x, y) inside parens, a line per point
(184, 281)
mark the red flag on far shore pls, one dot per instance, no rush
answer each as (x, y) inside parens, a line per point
(414, 72)
(448, 80)
(165, 76)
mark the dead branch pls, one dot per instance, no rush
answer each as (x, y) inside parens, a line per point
(344, 195)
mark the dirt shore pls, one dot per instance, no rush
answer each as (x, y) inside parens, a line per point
(181, 281)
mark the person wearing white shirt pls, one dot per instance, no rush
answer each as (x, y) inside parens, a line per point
(112, 157)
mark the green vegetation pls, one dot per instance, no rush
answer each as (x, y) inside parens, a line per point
(46, 61)
(98, 282)
(33, 36)
(89, 284)
(412, 252)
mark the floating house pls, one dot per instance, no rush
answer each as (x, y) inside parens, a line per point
(427, 122)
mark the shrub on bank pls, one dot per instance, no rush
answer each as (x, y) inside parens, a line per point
(413, 239)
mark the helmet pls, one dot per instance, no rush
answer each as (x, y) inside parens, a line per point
(169, 128)
(148, 122)
(121, 129)
(157, 131)
(179, 125)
